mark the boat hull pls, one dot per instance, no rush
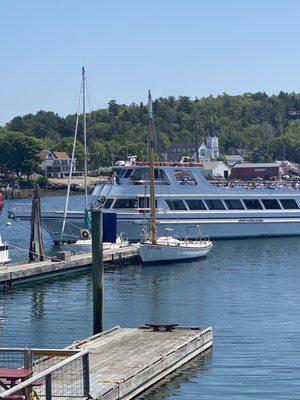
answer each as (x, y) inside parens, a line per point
(157, 253)
(215, 226)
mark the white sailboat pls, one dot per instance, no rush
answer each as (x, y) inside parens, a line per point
(165, 248)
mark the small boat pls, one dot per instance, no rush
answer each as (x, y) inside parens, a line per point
(165, 248)
(120, 242)
(4, 254)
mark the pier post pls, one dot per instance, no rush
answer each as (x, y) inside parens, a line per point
(36, 249)
(98, 270)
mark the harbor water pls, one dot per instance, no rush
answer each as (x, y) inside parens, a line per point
(247, 290)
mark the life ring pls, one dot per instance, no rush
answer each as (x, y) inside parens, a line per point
(85, 234)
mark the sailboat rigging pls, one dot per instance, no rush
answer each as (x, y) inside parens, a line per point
(82, 93)
(165, 248)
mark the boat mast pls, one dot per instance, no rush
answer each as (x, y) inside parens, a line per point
(151, 134)
(84, 139)
(197, 135)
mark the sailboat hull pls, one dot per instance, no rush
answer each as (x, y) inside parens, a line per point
(159, 253)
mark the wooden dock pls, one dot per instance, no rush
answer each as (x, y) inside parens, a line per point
(124, 362)
(114, 365)
(17, 273)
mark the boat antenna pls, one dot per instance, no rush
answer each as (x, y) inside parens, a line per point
(84, 139)
(151, 135)
(197, 135)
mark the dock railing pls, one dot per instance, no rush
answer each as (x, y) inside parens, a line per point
(59, 374)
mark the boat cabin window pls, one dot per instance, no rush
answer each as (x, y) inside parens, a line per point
(184, 177)
(126, 203)
(120, 172)
(108, 203)
(289, 204)
(176, 204)
(140, 176)
(127, 173)
(252, 204)
(234, 204)
(195, 204)
(144, 202)
(271, 204)
(215, 204)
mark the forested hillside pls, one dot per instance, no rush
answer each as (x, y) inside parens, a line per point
(257, 122)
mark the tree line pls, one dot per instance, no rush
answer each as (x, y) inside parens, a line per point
(260, 123)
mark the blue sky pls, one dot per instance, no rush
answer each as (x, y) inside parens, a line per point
(191, 47)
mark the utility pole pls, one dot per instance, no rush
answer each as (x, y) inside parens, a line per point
(98, 270)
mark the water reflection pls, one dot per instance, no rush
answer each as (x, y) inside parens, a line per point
(172, 383)
(38, 303)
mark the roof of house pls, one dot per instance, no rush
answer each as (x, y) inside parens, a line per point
(233, 157)
(258, 165)
(179, 147)
(43, 153)
(175, 151)
(61, 154)
(211, 165)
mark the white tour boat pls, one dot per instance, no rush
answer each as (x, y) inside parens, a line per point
(184, 198)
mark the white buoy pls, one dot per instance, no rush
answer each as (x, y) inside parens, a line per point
(8, 223)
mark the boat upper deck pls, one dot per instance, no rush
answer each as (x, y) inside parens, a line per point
(179, 179)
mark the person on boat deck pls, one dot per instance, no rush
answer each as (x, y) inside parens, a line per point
(186, 180)
(113, 178)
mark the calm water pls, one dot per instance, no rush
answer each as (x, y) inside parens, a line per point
(247, 290)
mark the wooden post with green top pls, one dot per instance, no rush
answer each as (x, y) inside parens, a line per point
(98, 271)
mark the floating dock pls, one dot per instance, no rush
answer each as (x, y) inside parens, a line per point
(125, 362)
(17, 273)
(117, 364)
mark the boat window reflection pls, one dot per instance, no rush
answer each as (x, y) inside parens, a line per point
(194, 204)
(140, 176)
(289, 204)
(271, 204)
(252, 204)
(234, 204)
(176, 204)
(184, 177)
(108, 203)
(126, 203)
(214, 204)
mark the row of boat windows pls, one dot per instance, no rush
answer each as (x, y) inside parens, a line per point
(209, 204)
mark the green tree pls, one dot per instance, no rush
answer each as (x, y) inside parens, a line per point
(20, 153)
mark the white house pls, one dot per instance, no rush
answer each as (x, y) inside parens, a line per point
(55, 164)
(215, 170)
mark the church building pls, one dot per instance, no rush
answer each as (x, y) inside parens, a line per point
(210, 148)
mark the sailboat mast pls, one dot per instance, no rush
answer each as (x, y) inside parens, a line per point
(197, 135)
(84, 139)
(151, 134)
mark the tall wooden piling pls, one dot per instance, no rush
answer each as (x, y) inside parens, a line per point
(98, 271)
(36, 248)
